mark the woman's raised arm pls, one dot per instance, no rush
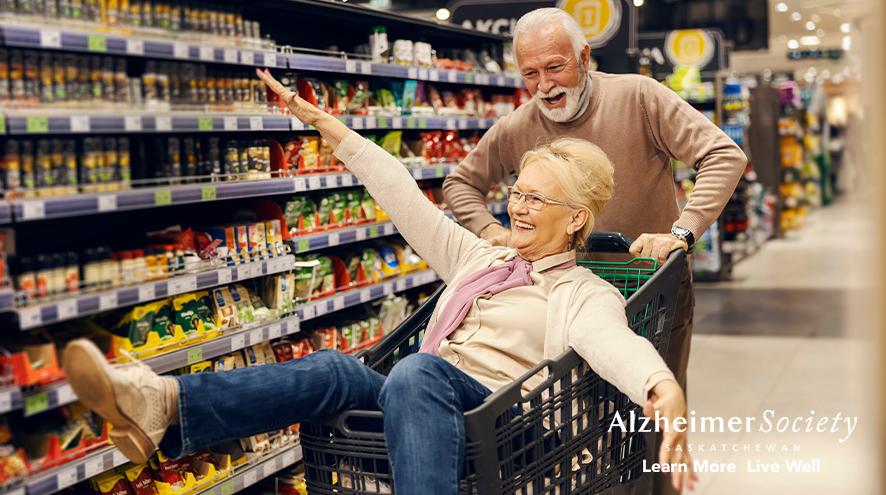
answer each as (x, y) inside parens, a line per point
(437, 239)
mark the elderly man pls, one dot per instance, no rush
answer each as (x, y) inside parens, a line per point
(639, 123)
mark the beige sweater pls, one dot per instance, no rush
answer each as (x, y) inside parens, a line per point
(583, 311)
(639, 123)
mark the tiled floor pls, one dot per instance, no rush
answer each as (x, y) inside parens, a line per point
(788, 335)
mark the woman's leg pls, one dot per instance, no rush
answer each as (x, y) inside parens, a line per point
(424, 400)
(208, 408)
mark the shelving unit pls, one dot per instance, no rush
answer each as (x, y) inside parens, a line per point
(32, 212)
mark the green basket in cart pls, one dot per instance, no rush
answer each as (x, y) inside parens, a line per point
(627, 277)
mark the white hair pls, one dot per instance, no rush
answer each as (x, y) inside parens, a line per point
(539, 18)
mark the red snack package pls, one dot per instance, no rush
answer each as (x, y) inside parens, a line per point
(140, 479)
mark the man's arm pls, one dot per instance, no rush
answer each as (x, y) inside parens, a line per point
(687, 135)
(465, 190)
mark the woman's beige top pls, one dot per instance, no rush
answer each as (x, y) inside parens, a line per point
(579, 309)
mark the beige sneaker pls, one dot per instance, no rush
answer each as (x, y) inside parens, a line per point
(136, 401)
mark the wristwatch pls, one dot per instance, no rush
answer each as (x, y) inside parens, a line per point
(684, 235)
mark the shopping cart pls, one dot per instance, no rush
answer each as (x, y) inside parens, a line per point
(555, 440)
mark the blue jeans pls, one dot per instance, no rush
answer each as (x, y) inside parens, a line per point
(423, 398)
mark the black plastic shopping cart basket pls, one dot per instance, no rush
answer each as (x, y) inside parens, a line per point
(556, 440)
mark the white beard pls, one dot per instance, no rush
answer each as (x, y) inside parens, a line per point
(568, 111)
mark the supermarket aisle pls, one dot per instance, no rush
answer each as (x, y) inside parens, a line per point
(783, 337)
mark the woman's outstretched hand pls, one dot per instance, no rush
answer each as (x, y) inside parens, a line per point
(304, 111)
(667, 399)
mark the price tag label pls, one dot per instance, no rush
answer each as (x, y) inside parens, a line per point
(271, 60)
(132, 123)
(50, 39)
(256, 123)
(96, 43)
(296, 125)
(320, 308)
(227, 488)
(224, 276)
(357, 123)
(412, 73)
(338, 304)
(434, 75)
(119, 458)
(347, 180)
(483, 79)
(383, 123)
(33, 210)
(250, 478)
(5, 402)
(65, 395)
(2, 124)
(230, 123)
(462, 123)
(180, 50)
(79, 123)
(256, 337)
(469, 77)
(208, 193)
(400, 285)
(163, 123)
(146, 292)
(439, 171)
(231, 56)
(195, 355)
(107, 301)
(371, 123)
(365, 296)
(300, 184)
(185, 283)
(274, 331)
(66, 478)
(67, 309)
(303, 245)
(247, 58)
(452, 76)
(288, 458)
(388, 289)
(37, 124)
(361, 234)
(244, 271)
(423, 74)
(398, 123)
(410, 122)
(162, 197)
(205, 123)
(500, 81)
(94, 467)
(313, 182)
(135, 47)
(238, 342)
(333, 239)
(366, 68)
(373, 231)
(350, 66)
(450, 124)
(308, 312)
(292, 326)
(36, 403)
(268, 469)
(30, 318)
(207, 53)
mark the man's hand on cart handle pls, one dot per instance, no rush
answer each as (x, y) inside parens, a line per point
(657, 246)
(667, 399)
(496, 234)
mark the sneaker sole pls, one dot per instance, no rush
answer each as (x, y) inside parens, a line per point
(87, 371)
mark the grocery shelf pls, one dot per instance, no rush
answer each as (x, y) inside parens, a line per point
(25, 210)
(5, 212)
(59, 394)
(21, 35)
(258, 469)
(358, 123)
(61, 122)
(86, 304)
(75, 471)
(7, 299)
(10, 399)
(346, 299)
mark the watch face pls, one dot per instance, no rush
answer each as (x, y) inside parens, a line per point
(680, 231)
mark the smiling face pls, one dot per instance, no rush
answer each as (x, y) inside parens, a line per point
(536, 234)
(552, 74)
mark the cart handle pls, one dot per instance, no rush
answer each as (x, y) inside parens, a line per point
(609, 242)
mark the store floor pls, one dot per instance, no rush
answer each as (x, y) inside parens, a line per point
(788, 335)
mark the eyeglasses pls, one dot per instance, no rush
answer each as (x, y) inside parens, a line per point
(534, 201)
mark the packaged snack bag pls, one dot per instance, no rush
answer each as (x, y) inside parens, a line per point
(186, 313)
(139, 476)
(226, 312)
(243, 303)
(112, 483)
(204, 311)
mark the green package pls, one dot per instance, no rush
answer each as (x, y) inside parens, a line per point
(354, 207)
(164, 319)
(392, 142)
(204, 311)
(244, 305)
(325, 276)
(368, 206)
(186, 313)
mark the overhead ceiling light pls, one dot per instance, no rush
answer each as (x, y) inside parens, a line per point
(793, 44)
(810, 26)
(845, 27)
(638, 3)
(826, 74)
(847, 43)
(781, 7)
(809, 40)
(443, 14)
(820, 33)
(796, 16)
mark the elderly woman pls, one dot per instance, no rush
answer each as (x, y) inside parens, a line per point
(504, 311)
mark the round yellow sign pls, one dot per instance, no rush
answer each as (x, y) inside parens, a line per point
(599, 19)
(689, 48)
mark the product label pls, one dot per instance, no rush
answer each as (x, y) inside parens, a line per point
(208, 193)
(162, 197)
(37, 124)
(373, 231)
(135, 47)
(303, 245)
(36, 403)
(96, 43)
(132, 123)
(195, 355)
(205, 123)
(439, 171)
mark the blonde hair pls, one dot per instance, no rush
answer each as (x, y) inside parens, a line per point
(583, 172)
(539, 18)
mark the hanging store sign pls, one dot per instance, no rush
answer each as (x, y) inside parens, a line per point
(689, 48)
(493, 17)
(599, 19)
